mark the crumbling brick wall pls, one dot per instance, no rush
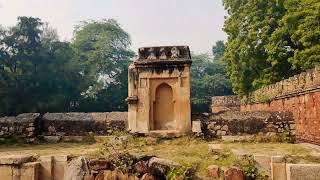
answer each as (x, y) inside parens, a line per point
(300, 95)
(225, 103)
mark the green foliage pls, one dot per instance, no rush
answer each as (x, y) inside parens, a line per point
(270, 40)
(39, 73)
(248, 165)
(103, 48)
(208, 79)
(180, 173)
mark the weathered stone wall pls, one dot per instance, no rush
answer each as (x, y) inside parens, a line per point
(225, 103)
(54, 126)
(24, 126)
(82, 124)
(245, 123)
(300, 95)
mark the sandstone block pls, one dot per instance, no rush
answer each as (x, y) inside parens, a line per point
(196, 127)
(233, 173)
(213, 171)
(52, 139)
(263, 163)
(14, 159)
(278, 171)
(6, 172)
(141, 167)
(76, 169)
(59, 166)
(46, 167)
(303, 171)
(30, 171)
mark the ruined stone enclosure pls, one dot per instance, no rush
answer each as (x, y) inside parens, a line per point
(159, 91)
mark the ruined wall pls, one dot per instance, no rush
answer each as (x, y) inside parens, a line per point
(225, 103)
(66, 126)
(234, 123)
(23, 126)
(82, 124)
(300, 95)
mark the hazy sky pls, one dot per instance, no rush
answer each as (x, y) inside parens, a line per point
(197, 23)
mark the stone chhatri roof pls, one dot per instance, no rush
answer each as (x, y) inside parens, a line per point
(164, 55)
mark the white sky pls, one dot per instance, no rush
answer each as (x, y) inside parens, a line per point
(197, 23)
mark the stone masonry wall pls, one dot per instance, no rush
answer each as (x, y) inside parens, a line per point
(54, 126)
(300, 95)
(82, 124)
(225, 103)
(23, 126)
(245, 123)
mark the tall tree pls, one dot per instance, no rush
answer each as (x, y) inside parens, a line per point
(103, 47)
(218, 50)
(209, 79)
(38, 72)
(270, 40)
(249, 25)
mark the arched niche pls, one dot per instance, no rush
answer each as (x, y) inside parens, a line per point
(163, 108)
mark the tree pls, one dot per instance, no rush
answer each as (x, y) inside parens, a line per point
(38, 72)
(209, 79)
(269, 41)
(298, 38)
(249, 26)
(218, 50)
(103, 48)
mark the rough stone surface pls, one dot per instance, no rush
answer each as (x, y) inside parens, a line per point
(263, 163)
(76, 169)
(225, 103)
(30, 171)
(213, 171)
(233, 173)
(159, 167)
(141, 167)
(99, 164)
(303, 171)
(234, 123)
(14, 159)
(83, 124)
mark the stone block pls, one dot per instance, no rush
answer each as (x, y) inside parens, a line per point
(196, 127)
(141, 167)
(52, 139)
(77, 169)
(59, 166)
(14, 159)
(99, 164)
(278, 159)
(233, 173)
(6, 172)
(213, 171)
(303, 171)
(263, 163)
(278, 171)
(30, 171)
(160, 167)
(46, 168)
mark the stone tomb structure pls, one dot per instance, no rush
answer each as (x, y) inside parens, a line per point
(159, 91)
